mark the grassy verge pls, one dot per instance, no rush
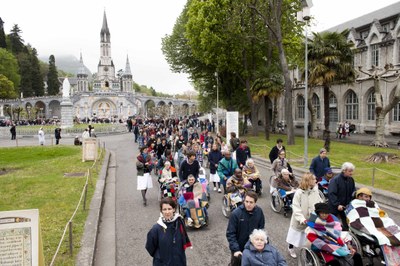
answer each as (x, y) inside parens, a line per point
(34, 179)
(382, 175)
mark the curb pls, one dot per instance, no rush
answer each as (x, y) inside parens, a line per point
(89, 238)
(386, 199)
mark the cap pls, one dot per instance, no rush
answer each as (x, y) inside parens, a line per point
(285, 171)
(328, 170)
(364, 190)
(321, 207)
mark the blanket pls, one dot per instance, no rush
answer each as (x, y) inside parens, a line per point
(367, 218)
(324, 235)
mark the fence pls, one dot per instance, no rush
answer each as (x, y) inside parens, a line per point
(368, 176)
(83, 197)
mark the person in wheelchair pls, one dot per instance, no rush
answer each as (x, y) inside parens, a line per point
(378, 233)
(251, 173)
(324, 182)
(194, 202)
(236, 188)
(324, 232)
(168, 180)
(287, 185)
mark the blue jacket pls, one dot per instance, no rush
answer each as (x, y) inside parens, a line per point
(165, 246)
(318, 166)
(340, 192)
(242, 155)
(213, 158)
(241, 225)
(270, 256)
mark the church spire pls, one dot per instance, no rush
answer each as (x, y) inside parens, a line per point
(82, 69)
(127, 67)
(105, 32)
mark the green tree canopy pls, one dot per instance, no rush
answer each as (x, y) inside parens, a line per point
(9, 68)
(53, 85)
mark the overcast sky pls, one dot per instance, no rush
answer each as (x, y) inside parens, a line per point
(136, 26)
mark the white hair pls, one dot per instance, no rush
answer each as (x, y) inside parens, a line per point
(249, 161)
(347, 166)
(258, 233)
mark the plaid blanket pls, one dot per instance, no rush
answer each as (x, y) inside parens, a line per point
(367, 218)
(324, 235)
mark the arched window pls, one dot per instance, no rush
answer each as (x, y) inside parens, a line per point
(317, 106)
(351, 106)
(371, 106)
(333, 112)
(300, 107)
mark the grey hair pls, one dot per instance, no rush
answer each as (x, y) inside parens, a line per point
(249, 161)
(347, 166)
(167, 163)
(258, 232)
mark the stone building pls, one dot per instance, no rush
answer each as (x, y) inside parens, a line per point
(377, 38)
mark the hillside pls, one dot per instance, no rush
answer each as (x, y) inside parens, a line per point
(67, 63)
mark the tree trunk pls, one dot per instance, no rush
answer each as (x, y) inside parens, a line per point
(313, 115)
(275, 114)
(267, 118)
(379, 140)
(326, 135)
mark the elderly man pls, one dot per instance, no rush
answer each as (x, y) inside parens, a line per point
(340, 192)
(319, 163)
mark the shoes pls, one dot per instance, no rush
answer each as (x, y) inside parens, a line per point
(145, 202)
(215, 188)
(292, 253)
(189, 221)
(219, 190)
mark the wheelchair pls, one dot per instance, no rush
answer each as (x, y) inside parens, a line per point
(370, 247)
(310, 257)
(230, 201)
(279, 201)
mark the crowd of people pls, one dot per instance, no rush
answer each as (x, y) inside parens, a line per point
(187, 147)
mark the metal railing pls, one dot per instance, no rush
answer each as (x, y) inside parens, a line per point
(83, 198)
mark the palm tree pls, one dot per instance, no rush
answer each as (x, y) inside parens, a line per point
(330, 62)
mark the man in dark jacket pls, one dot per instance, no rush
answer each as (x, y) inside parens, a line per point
(319, 163)
(242, 222)
(273, 154)
(242, 153)
(340, 192)
(190, 166)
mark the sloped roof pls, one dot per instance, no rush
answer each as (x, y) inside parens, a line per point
(386, 12)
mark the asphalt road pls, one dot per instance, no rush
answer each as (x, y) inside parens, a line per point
(210, 246)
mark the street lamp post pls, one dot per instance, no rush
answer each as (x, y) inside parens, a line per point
(216, 76)
(304, 16)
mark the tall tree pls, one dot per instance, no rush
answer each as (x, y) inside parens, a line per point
(7, 90)
(381, 110)
(25, 70)
(3, 43)
(53, 85)
(330, 61)
(9, 68)
(37, 77)
(16, 41)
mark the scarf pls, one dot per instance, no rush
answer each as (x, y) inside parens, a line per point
(179, 226)
(324, 235)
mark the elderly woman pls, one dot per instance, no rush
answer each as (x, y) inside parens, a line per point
(251, 173)
(257, 251)
(280, 163)
(304, 200)
(167, 239)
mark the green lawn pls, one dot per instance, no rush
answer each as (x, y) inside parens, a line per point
(386, 175)
(34, 179)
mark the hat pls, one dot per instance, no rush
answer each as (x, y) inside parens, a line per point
(285, 171)
(328, 170)
(321, 207)
(365, 191)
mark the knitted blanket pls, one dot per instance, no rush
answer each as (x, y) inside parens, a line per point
(367, 218)
(324, 235)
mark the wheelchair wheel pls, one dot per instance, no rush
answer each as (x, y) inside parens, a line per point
(226, 209)
(271, 180)
(276, 202)
(308, 257)
(355, 243)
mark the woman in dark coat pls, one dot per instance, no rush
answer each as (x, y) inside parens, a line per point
(214, 157)
(167, 240)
